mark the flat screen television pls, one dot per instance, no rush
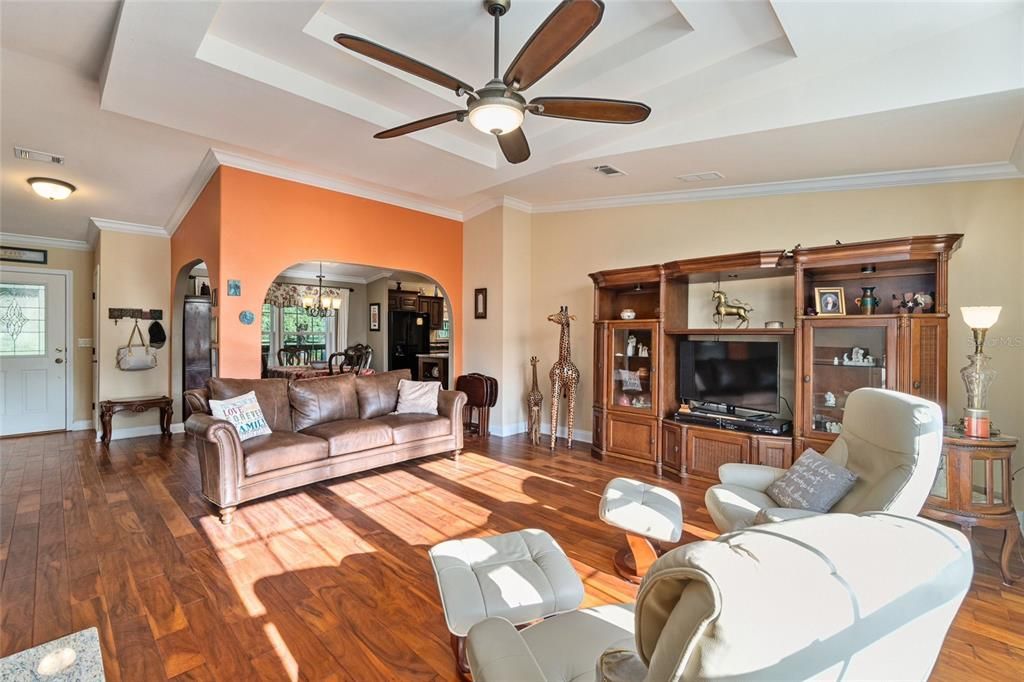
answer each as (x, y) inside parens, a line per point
(737, 374)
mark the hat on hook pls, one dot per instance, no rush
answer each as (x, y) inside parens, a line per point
(157, 335)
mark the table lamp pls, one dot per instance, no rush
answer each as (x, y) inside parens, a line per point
(978, 375)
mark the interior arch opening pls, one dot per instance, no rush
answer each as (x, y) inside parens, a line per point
(192, 361)
(323, 318)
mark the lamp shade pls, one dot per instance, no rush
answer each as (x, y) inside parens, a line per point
(980, 316)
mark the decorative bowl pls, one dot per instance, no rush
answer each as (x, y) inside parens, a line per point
(773, 324)
(628, 314)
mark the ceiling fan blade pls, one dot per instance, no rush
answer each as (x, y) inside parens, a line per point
(514, 146)
(421, 124)
(591, 109)
(561, 32)
(401, 62)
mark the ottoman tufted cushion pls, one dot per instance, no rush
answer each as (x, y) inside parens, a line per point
(642, 509)
(521, 576)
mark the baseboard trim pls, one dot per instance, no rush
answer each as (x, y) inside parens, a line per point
(510, 430)
(134, 432)
(578, 436)
(178, 427)
(81, 425)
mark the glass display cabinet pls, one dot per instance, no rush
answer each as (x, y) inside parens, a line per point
(633, 380)
(842, 355)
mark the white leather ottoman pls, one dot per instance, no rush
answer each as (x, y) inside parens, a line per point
(646, 512)
(522, 576)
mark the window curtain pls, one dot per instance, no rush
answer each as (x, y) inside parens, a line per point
(340, 323)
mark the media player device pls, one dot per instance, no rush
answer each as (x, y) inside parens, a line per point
(768, 427)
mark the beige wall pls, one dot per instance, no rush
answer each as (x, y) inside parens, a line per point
(515, 278)
(988, 269)
(377, 292)
(80, 263)
(482, 269)
(135, 272)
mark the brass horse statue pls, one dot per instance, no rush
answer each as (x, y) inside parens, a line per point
(725, 308)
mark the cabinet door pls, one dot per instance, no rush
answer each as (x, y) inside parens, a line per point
(394, 302)
(632, 435)
(840, 356)
(775, 452)
(600, 353)
(632, 367)
(926, 359)
(672, 446)
(409, 302)
(708, 449)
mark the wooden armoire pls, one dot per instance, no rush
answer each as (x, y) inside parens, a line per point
(195, 346)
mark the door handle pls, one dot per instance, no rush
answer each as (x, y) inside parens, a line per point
(59, 361)
(59, 350)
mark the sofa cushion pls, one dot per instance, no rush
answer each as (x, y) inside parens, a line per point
(378, 393)
(351, 435)
(272, 395)
(323, 399)
(281, 449)
(411, 427)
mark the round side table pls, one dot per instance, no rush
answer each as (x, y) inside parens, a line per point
(973, 488)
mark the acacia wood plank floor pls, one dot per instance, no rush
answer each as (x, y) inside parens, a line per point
(330, 582)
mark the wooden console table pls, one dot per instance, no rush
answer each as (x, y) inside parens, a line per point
(108, 408)
(973, 488)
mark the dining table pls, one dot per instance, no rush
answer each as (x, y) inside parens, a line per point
(292, 372)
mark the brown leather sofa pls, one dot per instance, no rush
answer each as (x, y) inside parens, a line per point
(322, 428)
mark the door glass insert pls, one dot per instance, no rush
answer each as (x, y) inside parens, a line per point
(22, 319)
(632, 374)
(845, 359)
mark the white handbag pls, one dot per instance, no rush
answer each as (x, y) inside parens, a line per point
(135, 357)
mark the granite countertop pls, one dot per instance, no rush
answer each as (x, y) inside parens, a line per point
(432, 355)
(74, 658)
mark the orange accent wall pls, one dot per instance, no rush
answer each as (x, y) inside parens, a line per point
(198, 234)
(267, 225)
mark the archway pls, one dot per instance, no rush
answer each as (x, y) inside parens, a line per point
(423, 323)
(187, 292)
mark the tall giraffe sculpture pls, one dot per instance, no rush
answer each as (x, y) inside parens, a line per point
(565, 377)
(533, 401)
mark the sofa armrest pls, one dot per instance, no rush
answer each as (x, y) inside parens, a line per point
(221, 458)
(198, 400)
(450, 404)
(777, 514)
(753, 476)
(498, 653)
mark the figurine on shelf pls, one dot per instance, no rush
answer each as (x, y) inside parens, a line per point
(643, 351)
(835, 360)
(725, 308)
(630, 346)
(858, 357)
(923, 303)
(830, 399)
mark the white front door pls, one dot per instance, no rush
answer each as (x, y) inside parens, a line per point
(33, 353)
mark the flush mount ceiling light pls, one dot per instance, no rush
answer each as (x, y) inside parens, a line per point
(49, 188)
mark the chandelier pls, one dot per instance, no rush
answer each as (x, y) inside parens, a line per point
(320, 305)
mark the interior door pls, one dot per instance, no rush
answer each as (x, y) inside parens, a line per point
(33, 352)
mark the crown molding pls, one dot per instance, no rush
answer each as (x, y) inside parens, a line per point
(97, 225)
(313, 274)
(207, 167)
(924, 176)
(383, 274)
(487, 204)
(31, 241)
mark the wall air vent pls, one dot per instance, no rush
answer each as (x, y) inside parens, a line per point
(701, 177)
(34, 155)
(610, 171)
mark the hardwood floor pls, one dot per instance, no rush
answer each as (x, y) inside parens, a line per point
(330, 582)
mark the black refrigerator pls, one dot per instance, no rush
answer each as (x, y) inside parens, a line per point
(408, 336)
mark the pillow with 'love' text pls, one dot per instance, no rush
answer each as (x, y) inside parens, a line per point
(244, 413)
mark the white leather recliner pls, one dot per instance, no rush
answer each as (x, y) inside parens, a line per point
(831, 597)
(891, 440)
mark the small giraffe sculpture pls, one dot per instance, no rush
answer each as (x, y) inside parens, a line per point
(565, 377)
(533, 401)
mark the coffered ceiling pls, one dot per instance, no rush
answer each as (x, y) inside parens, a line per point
(762, 91)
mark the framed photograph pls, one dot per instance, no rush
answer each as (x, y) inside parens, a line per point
(480, 304)
(17, 255)
(234, 287)
(375, 317)
(200, 282)
(830, 300)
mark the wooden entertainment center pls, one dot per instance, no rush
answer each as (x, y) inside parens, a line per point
(635, 378)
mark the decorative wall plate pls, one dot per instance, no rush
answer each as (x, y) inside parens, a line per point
(246, 317)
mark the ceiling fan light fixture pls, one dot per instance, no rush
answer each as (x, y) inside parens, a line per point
(496, 118)
(50, 188)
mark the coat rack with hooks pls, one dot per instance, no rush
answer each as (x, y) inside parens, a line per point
(118, 314)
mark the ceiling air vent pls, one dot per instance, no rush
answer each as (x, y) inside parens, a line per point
(610, 171)
(701, 177)
(34, 155)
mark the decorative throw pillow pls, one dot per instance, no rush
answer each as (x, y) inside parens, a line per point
(813, 482)
(417, 397)
(244, 413)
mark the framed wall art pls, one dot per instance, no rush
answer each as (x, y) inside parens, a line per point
(480, 304)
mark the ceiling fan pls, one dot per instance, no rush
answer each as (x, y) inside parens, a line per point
(498, 108)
